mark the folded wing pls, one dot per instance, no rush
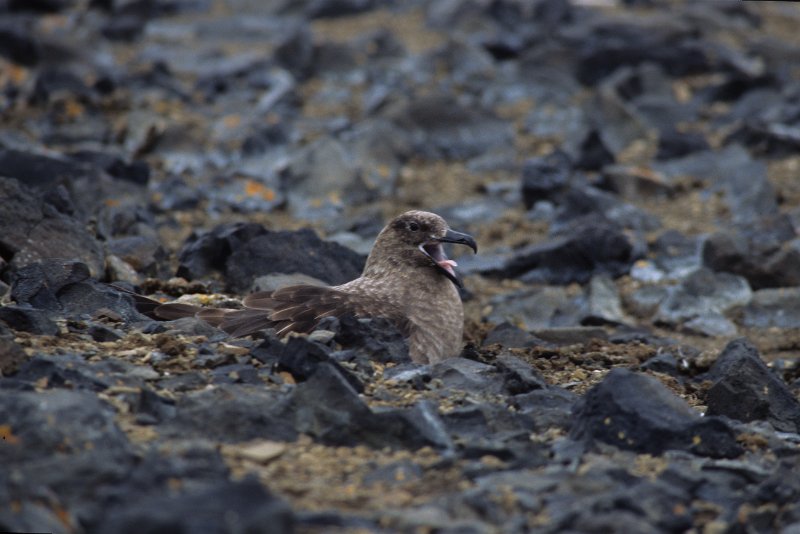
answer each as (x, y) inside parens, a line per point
(289, 309)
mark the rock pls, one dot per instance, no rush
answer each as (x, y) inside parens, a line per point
(605, 305)
(65, 288)
(144, 254)
(588, 250)
(712, 325)
(519, 376)
(746, 390)
(208, 507)
(616, 122)
(206, 253)
(544, 178)
(467, 375)
(302, 358)
(442, 128)
(34, 231)
(73, 372)
(57, 422)
(664, 362)
(511, 337)
(491, 429)
(636, 183)
(742, 181)
(547, 407)
(295, 50)
(612, 46)
(776, 308)
(230, 414)
(376, 338)
(11, 354)
(289, 252)
(27, 319)
(328, 408)
(677, 255)
(569, 335)
(673, 144)
(702, 293)
(767, 256)
(336, 8)
(636, 412)
(19, 42)
(541, 307)
(586, 207)
(152, 408)
(137, 172)
(359, 167)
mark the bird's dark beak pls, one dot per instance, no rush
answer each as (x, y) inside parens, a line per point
(451, 236)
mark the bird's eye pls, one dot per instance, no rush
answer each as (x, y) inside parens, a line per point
(414, 227)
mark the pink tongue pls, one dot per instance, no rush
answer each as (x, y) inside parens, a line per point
(448, 265)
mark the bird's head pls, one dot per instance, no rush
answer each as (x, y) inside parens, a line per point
(414, 239)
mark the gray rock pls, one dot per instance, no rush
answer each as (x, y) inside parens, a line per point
(229, 414)
(208, 507)
(711, 325)
(745, 389)
(537, 308)
(636, 412)
(509, 336)
(702, 293)
(34, 231)
(443, 128)
(778, 307)
(604, 303)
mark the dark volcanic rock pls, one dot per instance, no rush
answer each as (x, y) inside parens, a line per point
(588, 250)
(33, 230)
(768, 254)
(19, 42)
(57, 422)
(703, 293)
(145, 254)
(518, 375)
(213, 507)
(492, 429)
(73, 372)
(327, 407)
(779, 307)
(65, 288)
(206, 253)
(547, 407)
(733, 172)
(230, 414)
(376, 338)
(442, 128)
(289, 252)
(302, 358)
(745, 389)
(612, 46)
(27, 319)
(511, 337)
(545, 177)
(137, 172)
(636, 412)
(11, 354)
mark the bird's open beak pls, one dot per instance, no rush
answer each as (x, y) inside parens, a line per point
(435, 252)
(452, 236)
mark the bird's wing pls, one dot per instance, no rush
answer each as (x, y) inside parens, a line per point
(297, 308)
(300, 308)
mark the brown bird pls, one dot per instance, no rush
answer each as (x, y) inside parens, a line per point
(407, 279)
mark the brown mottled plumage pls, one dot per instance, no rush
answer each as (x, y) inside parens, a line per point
(407, 279)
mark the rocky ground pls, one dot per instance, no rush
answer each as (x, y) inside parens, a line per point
(628, 168)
